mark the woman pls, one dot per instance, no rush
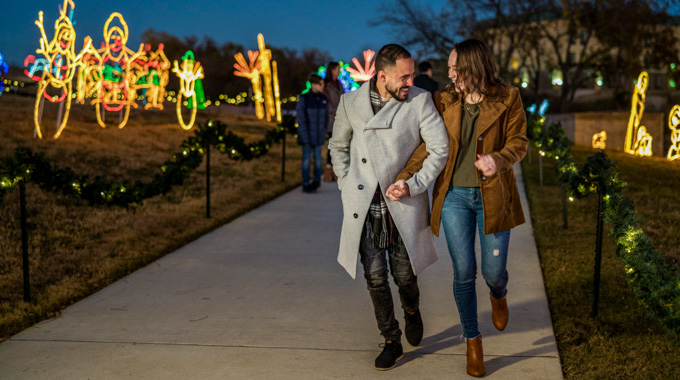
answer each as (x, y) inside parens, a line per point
(486, 125)
(332, 89)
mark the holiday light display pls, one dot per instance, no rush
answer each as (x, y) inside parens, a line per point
(265, 59)
(277, 92)
(674, 125)
(62, 62)
(190, 72)
(251, 71)
(34, 65)
(638, 142)
(365, 73)
(116, 71)
(156, 78)
(4, 68)
(600, 140)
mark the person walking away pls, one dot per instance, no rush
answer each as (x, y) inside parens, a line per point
(332, 89)
(312, 119)
(424, 79)
(377, 128)
(486, 127)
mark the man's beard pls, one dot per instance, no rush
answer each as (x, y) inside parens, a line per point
(395, 93)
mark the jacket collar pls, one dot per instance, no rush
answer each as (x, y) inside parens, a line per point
(381, 120)
(489, 112)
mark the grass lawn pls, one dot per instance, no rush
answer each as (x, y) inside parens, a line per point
(76, 249)
(623, 342)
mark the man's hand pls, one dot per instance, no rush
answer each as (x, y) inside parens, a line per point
(397, 190)
(486, 164)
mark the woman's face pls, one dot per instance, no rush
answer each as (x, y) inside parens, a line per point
(335, 72)
(453, 72)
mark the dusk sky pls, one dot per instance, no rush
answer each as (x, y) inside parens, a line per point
(340, 28)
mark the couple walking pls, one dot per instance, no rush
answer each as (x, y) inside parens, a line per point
(390, 142)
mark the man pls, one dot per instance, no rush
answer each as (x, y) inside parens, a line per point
(424, 79)
(376, 130)
(312, 118)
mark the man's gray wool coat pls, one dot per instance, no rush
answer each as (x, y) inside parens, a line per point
(370, 149)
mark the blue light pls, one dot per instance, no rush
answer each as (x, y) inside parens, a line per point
(543, 107)
(532, 108)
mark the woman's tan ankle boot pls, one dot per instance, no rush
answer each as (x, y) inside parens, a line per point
(475, 357)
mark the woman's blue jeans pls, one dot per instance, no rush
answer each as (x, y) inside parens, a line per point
(462, 213)
(306, 158)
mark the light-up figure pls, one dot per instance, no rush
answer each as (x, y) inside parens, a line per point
(277, 92)
(117, 71)
(365, 73)
(251, 71)
(600, 140)
(265, 59)
(155, 79)
(63, 63)
(33, 65)
(674, 125)
(190, 72)
(638, 143)
(4, 68)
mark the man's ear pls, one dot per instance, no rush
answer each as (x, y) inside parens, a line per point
(381, 76)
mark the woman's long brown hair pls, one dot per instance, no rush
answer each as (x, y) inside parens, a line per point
(476, 66)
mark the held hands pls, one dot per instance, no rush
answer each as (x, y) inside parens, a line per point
(397, 190)
(486, 164)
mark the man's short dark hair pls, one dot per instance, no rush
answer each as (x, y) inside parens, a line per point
(388, 56)
(315, 78)
(424, 66)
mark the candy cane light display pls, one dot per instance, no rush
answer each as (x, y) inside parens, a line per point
(190, 72)
(59, 65)
(638, 142)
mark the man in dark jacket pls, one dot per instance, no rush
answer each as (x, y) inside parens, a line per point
(312, 118)
(424, 79)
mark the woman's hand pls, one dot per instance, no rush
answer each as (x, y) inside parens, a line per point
(486, 164)
(397, 190)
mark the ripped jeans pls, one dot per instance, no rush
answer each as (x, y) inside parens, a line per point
(462, 213)
(374, 260)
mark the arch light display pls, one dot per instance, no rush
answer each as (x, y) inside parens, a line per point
(366, 72)
(190, 72)
(638, 142)
(62, 63)
(674, 125)
(600, 140)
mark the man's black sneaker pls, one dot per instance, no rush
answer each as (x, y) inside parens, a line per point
(391, 353)
(308, 188)
(414, 328)
(315, 185)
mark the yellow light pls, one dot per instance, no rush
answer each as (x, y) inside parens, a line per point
(61, 77)
(277, 93)
(673, 123)
(600, 140)
(638, 142)
(190, 73)
(265, 58)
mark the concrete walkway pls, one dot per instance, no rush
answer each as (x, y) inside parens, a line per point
(264, 298)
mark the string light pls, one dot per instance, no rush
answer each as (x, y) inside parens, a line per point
(600, 140)
(638, 141)
(673, 124)
(62, 63)
(366, 72)
(190, 73)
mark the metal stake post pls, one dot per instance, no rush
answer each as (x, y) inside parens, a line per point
(283, 158)
(24, 240)
(207, 180)
(598, 256)
(564, 209)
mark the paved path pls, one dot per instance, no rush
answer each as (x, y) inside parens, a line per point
(263, 298)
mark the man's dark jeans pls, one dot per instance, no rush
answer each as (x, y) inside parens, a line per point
(374, 261)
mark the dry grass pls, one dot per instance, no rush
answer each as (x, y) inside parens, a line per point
(623, 342)
(76, 249)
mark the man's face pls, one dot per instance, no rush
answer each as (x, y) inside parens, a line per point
(453, 72)
(399, 78)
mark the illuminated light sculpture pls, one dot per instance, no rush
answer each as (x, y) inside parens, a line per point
(600, 140)
(34, 65)
(365, 73)
(674, 124)
(4, 68)
(191, 72)
(544, 107)
(638, 141)
(252, 72)
(265, 59)
(277, 92)
(156, 78)
(117, 69)
(62, 60)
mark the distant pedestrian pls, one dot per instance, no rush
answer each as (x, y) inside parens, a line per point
(376, 130)
(332, 89)
(312, 119)
(477, 190)
(424, 79)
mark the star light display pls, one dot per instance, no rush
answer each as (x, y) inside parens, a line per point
(4, 68)
(117, 70)
(638, 142)
(251, 71)
(365, 73)
(190, 72)
(62, 61)
(674, 125)
(600, 140)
